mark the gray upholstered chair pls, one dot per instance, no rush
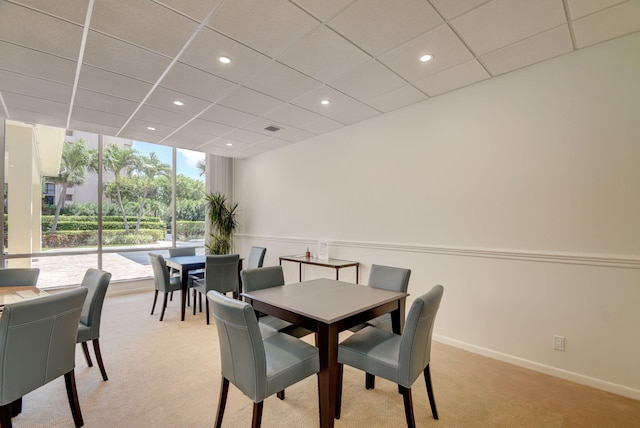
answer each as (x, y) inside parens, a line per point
(258, 367)
(96, 281)
(220, 274)
(388, 278)
(38, 345)
(19, 277)
(267, 277)
(163, 281)
(398, 358)
(256, 257)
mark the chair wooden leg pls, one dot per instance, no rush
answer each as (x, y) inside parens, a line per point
(16, 407)
(164, 305)
(257, 415)
(72, 394)
(206, 306)
(339, 392)
(222, 402)
(408, 407)
(280, 394)
(155, 298)
(5, 416)
(96, 350)
(199, 301)
(432, 400)
(85, 350)
(370, 381)
(194, 301)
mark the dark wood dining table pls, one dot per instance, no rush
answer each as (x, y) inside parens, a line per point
(327, 307)
(186, 265)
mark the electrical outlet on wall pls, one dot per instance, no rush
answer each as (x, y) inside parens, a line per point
(558, 343)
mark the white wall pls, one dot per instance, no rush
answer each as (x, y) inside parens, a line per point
(521, 195)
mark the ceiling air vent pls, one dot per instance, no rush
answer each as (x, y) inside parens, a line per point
(272, 128)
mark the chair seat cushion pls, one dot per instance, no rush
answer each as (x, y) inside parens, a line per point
(174, 283)
(372, 350)
(383, 322)
(289, 360)
(274, 323)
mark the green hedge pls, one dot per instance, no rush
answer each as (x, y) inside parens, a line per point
(78, 238)
(188, 230)
(70, 223)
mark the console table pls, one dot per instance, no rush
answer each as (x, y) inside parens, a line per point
(315, 261)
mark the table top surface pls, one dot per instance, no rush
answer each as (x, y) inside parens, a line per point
(17, 294)
(325, 300)
(314, 260)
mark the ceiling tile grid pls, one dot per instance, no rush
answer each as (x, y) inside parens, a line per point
(285, 57)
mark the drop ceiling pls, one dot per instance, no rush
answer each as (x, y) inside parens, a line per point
(115, 67)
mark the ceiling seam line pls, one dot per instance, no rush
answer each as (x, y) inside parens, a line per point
(83, 44)
(4, 106)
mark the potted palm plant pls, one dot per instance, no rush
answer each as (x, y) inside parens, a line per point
(223, 221)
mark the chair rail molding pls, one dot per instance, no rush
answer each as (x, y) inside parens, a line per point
(601, 260)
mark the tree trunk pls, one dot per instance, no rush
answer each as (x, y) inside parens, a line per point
(124, 214)
(141, 210)
(61, 199)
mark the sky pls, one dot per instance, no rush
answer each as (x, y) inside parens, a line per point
(186, 161)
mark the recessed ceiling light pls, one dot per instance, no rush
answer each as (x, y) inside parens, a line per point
(178, 103)
(224, 59)
(325, 102)
(229, 144)
(151, 128)
(426, 57)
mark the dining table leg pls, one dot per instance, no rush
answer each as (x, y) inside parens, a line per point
(328, 375)
(184, 289)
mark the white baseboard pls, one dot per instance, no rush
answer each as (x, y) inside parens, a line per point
(541, 368)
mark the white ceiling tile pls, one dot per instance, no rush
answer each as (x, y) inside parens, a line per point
(38, 31)
(259, 126)
(607, 24)
(107, 82)
(324, 9)
(529, 51)
(139, 136)
(275, 143)
(209, 128)
(456, 77)
(196, 10)
(282, 82)
(208, 46)
(509, 20)
(250, 101)
(164, 98)
(245, 136)
(106, 103)
(378, 26)
(294, 135)
(197, 83)
(28, 61)
(71, 10)
(166, 33)
(84, 114)
(95, 128)
(142, 125)
(227, 116)
(34, 87)
(368, 81)
(397, 98)
(123, 58)
(442, 43)
(36, 117)
(343, 108)
(158, 115)
(39, 105)
(271, 27)
(292, 115)
(322, 125)
(193, 137)
(580, 8)
(452, 8)
(325, 55)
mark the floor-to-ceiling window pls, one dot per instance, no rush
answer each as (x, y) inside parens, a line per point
(79, 200)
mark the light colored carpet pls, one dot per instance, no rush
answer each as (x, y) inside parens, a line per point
(166, 374)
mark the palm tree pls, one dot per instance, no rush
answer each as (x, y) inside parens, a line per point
(223, 220)
(76, 159)
(120, 161)
(202, 166)
(151, 167)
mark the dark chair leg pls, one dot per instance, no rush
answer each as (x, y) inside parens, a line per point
(206, 306)
(164, 305)
(222, 402)
(85, 350)
(432, 400)
(408, 407)
(194, 301)
(370, 381)
(339, 392)
(16, 407)
(280, 394)
(155, 298)
(72, 394)
(257, 415)
(96, 350)
(171, 296)
(199, 301)
(5, 416)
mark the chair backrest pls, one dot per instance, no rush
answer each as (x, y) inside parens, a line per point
(389, 278)
(221, 272)
(19, 277)
(256, 257)
(259, 278)
(182, 251)
(96, 281)
(242, 355)
(160, 272)
(415, 346)
(38, 341)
